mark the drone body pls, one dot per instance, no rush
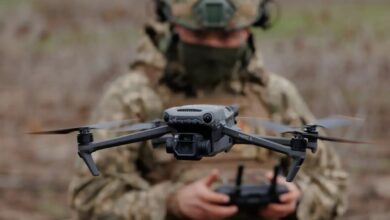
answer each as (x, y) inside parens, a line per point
(192, 132)
(199, 130)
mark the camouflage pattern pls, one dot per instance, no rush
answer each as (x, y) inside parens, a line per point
(137, 181)
(246, 13)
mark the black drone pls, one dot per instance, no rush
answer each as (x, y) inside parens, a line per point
(192, 132)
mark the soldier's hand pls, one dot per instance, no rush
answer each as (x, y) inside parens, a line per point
(288, 201)
(198, 201)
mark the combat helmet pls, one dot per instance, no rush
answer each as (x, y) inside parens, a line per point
(215, 14)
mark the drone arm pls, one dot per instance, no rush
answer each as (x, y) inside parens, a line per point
(242, 137)
(281, 141)
(85, 151)
(298, 156)
(128, 139)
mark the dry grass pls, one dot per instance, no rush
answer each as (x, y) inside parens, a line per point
(55, 57)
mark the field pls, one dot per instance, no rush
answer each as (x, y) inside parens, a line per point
(56, 56)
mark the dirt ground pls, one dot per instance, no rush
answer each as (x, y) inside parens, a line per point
(56, 56)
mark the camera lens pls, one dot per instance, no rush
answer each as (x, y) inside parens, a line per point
(207, 118)
(166, 117)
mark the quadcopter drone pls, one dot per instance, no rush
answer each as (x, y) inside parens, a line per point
(192, 132)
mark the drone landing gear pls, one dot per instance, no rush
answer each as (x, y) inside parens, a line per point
(85, 137)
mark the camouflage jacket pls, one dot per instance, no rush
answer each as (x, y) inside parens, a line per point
(136, 180)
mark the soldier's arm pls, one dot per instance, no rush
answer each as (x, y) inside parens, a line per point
(321, 179)
(121, 191)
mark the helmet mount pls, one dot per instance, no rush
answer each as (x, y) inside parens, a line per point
(224, 15)
(214, 14)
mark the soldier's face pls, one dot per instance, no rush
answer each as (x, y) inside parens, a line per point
(218, 39)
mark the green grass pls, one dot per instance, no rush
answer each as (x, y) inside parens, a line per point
(335, 19)
(115, 38)
(10, 4)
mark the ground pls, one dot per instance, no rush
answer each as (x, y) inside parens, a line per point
(56, 56)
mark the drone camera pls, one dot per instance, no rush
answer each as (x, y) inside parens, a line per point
(188, 146)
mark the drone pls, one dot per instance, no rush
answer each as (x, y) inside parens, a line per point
(192, 132)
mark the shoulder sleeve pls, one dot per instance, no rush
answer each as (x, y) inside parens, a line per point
(284, 101)
(121, 192)
(321, 179)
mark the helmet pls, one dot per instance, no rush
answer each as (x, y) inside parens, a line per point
(214, 14)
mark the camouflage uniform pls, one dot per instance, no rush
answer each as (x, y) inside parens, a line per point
(137, 181)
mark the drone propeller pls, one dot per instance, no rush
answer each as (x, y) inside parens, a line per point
(309, 131)
(106, 125)
(325, 138)
(273, 126)
(333, 122)
(329, 122)
(140, 126)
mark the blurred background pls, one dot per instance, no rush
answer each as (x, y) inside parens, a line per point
(56, 56)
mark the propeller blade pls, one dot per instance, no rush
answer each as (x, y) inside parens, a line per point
(104, 125)
(273, 126)
(329, 122)
(60, 131)
(137, 127)
(341, 140)
(335, 121)
(331, 139)
(113, 124)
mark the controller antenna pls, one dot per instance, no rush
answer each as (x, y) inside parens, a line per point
(240, 172)
(272, 189)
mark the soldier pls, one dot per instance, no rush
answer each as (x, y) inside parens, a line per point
(204, 54)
